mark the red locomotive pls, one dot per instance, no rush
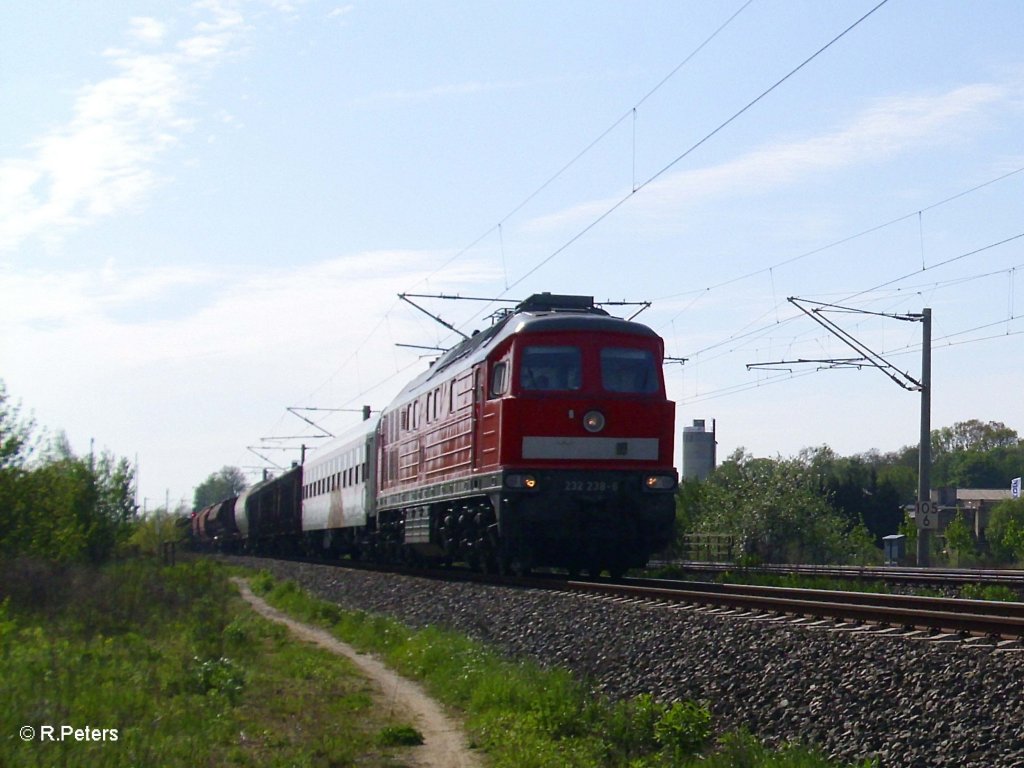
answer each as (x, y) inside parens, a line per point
(545, 440)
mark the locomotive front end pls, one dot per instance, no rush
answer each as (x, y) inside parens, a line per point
(586, 443)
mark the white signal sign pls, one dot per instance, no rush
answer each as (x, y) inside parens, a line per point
(927, 515)
(1015, 488)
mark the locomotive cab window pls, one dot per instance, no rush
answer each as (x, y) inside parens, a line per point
(550, 369)
(629, 370)
(499, 379)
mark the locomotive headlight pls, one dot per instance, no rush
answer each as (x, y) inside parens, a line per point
(524, 482)
(659, 482)
(593, 421)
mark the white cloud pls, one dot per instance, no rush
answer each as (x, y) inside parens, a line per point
(341, 10)
(889, 127)
(111, 319)
(104, 158)
(147, 30)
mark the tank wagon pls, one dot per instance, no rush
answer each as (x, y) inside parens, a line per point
(214, 525)
(545, 440)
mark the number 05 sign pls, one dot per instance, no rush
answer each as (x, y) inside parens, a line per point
(927, 515)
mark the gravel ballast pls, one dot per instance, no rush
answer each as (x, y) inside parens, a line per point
(904, 702)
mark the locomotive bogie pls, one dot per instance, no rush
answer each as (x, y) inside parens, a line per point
(598, 520)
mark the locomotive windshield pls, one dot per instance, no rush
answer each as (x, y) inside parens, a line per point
(550, 369)
(628, 370)
(623, 370)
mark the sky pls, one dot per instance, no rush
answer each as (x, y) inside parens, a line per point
(208, 209)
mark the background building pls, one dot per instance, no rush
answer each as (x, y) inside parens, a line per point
(698, 450)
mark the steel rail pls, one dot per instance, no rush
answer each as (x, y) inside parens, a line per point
(908, 602)
(900, 574)
(975, 617)
(968, 617)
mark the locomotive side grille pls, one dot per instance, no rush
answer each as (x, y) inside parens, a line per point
(591, 448)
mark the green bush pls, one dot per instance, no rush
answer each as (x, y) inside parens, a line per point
(684, 728)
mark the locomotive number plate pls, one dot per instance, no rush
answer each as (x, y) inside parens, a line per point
(590, 486)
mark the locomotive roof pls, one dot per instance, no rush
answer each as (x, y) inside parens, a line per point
(539, 313)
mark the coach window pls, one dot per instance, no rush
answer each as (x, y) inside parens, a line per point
(499, 379)
(550, 368)
(628, 370)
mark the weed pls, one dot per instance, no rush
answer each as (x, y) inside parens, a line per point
(220, 676)
(998, 592)
(262, 582)
(684, 728)
(399, 736)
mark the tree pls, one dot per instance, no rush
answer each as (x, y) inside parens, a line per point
(16, 443)
(15, 434)
(901, 479)
(773, 508)
(1005, 531)
(228, 482)
(959, 537)
(55, 505)
(973, 435)
(969, 454)
(77, 508)
(158, 527)
(853, 489)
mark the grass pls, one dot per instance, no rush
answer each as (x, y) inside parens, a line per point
(998, 592)
(167, 666)
(524, 716)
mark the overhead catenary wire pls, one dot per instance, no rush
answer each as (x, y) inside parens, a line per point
(835, 243)
(937, 341)
(846, 297)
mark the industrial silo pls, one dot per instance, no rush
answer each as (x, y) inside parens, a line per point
(698, 450)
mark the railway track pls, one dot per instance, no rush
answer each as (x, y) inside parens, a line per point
(888, 574)
(935, 615)
(932, 614)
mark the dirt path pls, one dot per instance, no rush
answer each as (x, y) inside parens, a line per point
(444, 744)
